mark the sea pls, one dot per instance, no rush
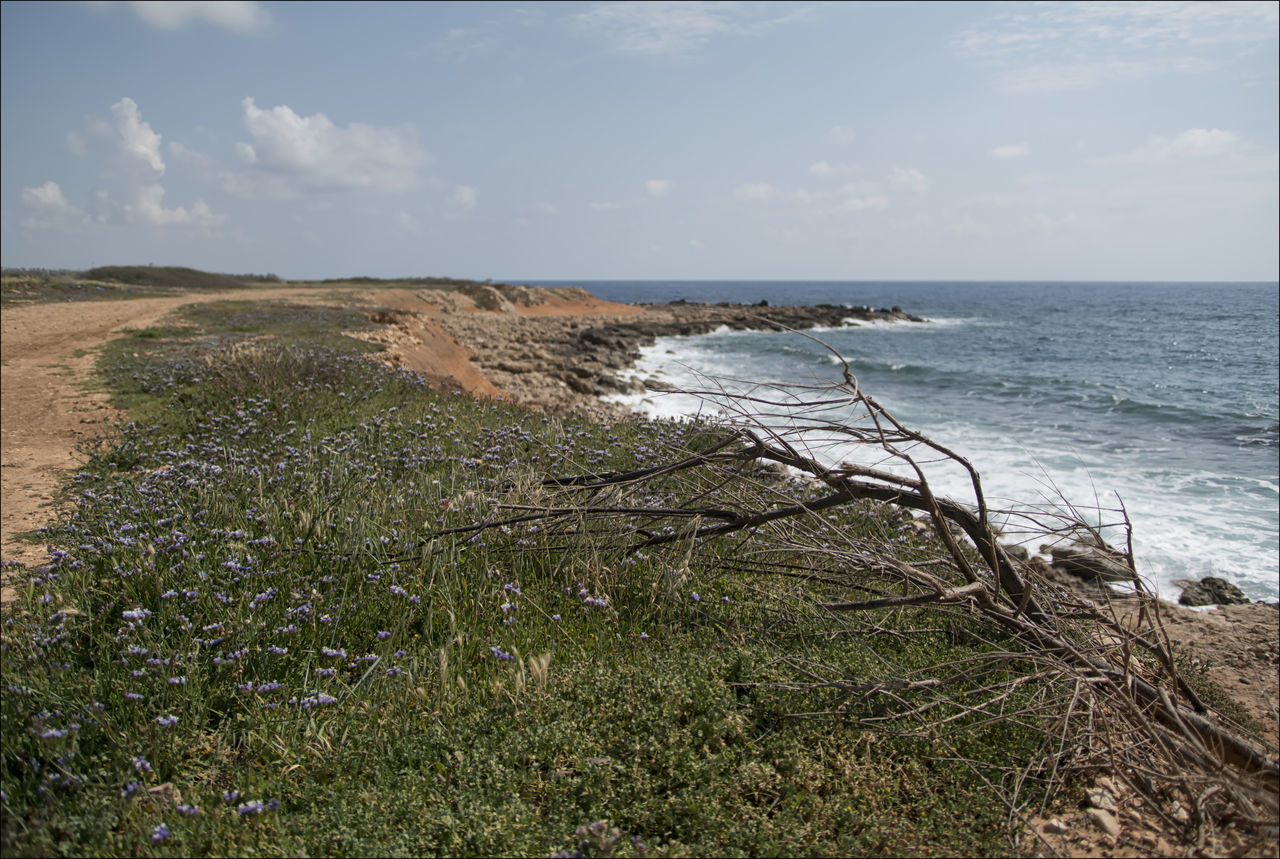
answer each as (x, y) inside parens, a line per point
(1161, 398)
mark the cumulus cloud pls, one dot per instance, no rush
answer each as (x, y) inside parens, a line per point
(909, 178)
(147, 207)
(46, 206)
(47, 197)
(311, 153)
(133, 165)
(135, 137)
(238, 16)
(1010, 150)
(757, 191)
(658, 187)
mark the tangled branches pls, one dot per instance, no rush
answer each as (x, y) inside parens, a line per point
(778, 491)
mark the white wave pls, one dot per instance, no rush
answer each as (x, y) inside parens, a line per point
(1187, 524)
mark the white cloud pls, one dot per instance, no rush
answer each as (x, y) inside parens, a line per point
(909, 178)
(47, 198)
(238, 16)
(47, 207)
(134, 167)
(1200, 142)
(546, 208)
(820, 168)
(1010, 150)
(313, 154)
(148, 207)
(673, 28)
(841, 134)
(1194, 143)
(757, 191)
(135, 137)
(1044, 78)
(603, 207)
(658, 187)
(465, 197)
(1065, 47)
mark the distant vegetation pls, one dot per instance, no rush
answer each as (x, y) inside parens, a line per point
(135, 281)
(433, 282)
(174, 277)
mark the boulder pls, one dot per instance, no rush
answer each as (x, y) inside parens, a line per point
(1090, 561)
(1211, 590)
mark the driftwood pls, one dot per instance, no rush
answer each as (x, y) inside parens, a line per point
(1110, 688)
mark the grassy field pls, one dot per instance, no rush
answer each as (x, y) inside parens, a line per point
(248, 642)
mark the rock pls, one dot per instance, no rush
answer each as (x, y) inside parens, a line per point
(1018, 553)
(1056, 827)
(1106, 821)
(1090, 561)
(1211, 590)
(1102, 798)
(165, 795)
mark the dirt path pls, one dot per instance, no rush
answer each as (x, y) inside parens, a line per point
(48, 403)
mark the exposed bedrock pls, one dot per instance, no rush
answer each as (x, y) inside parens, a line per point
(566, 362)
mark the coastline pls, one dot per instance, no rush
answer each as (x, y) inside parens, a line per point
(555, 351)
(561, 351)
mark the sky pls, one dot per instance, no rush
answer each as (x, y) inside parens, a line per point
(637, 141)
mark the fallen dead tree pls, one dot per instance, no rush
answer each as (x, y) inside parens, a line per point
(1098, 677)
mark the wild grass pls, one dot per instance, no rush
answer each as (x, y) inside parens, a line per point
(244, 644)
(20, 286)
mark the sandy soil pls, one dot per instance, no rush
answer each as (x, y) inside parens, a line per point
(49, 405)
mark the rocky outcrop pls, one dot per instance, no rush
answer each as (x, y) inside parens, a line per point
(1211, 591)
(1093, 562)
(564, 362)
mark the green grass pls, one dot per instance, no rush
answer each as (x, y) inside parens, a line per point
(246, 558)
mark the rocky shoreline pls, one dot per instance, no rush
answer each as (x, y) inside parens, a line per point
(561, 350)
(560, 363)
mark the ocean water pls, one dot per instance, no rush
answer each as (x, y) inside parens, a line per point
(1163, 395)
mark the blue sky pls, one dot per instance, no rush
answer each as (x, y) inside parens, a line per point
(1090, 141)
